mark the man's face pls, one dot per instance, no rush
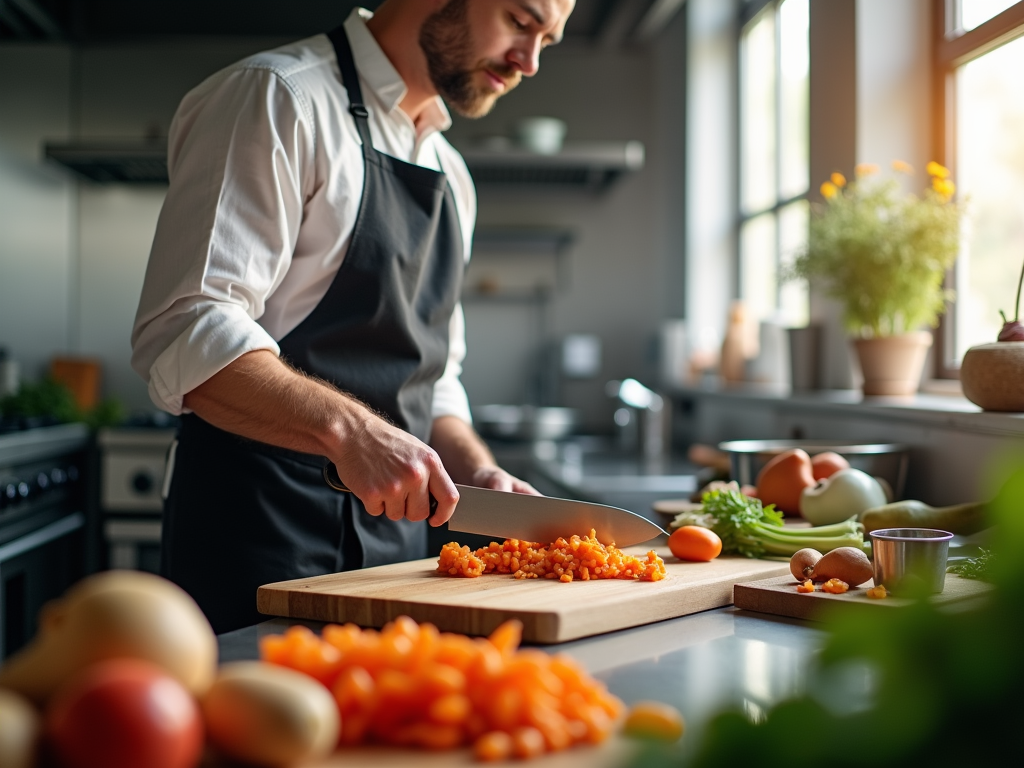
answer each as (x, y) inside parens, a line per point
(479, 50)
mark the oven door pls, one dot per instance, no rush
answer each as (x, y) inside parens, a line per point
(34, 568)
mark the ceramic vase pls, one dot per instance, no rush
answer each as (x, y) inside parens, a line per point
(892, 365)
(992, 376)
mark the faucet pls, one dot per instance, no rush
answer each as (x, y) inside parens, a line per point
(641, 418)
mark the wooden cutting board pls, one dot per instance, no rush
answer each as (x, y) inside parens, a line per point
(778, 595)
(551, 612)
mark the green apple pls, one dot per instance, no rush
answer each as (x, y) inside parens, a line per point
(837, 498)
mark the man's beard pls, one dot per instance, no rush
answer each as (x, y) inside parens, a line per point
(445, 39)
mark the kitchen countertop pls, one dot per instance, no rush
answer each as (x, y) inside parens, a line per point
(700, 663)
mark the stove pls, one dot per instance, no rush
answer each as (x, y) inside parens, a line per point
(46, 529)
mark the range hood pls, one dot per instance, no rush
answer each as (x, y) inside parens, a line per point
(582, 165)
(115, 160)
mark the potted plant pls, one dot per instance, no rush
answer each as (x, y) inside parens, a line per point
(991, 374)
(884, 255)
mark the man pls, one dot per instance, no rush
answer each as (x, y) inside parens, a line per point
(301, 298)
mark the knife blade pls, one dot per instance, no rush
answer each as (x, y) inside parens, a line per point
(539, 519)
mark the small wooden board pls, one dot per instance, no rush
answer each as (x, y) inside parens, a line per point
(551, 612)
(778, 595)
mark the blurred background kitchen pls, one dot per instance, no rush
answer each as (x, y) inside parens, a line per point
(639, 200)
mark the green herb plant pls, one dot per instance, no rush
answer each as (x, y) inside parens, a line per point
(746, 528)
(883, 254)
(49, 399)
(980, 567)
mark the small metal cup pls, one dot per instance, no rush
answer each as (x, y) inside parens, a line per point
(910, 560)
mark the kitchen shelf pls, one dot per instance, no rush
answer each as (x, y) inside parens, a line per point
(125, 161)
(586, 166)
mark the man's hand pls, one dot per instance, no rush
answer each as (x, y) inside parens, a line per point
(468, 459)
(395, 474)
(259, 397)
(497, 479)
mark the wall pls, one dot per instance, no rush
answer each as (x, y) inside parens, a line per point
(37, 207)
(73, 254)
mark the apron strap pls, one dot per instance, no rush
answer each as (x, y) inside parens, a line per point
(350, 79)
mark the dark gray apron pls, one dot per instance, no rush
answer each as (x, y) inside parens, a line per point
(240, 513)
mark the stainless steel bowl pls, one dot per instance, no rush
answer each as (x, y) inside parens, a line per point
(910, 560)
(525, 422)
(885, 460)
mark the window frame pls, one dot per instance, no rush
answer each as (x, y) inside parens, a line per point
(953, 47)
(748, 11)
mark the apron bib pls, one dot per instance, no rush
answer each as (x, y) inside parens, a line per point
(239, 513)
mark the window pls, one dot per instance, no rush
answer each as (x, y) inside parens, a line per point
(979, 58)
(774, 156)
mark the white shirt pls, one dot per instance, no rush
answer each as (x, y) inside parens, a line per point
(266, 176)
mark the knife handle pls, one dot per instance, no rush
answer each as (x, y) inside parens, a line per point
(333, 479)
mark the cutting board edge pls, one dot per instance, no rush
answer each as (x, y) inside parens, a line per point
(538, 626)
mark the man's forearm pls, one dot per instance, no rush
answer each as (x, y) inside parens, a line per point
(394, 474)
(259, 397)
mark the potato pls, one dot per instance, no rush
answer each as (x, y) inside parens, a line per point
(19, 731)
(270, 715)
(801, 565)
(117, 614)
(847, 564)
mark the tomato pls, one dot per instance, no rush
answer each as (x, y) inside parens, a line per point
(783, 479)
(692, 542)
(125, 713)
(827, 464)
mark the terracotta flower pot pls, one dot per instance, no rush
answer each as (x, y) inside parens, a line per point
(892, 364)
(992, 376)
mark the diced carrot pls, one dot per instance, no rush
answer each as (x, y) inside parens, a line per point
(506, 638)
(493, 746)
(806, 587)
(654, 720)
(414, 686)
(835, 586)
(452, 709)
(527, 742)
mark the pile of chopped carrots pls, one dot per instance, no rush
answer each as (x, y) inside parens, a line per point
(578, 557)
(411, 685)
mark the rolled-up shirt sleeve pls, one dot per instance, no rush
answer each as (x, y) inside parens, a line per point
(240, 162)
(449, 395)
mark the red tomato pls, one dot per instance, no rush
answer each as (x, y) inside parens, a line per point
(783, 479)
(827, 464)
(692, 542)
(125, 713)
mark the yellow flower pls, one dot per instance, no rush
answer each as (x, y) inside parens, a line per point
(829, 190)
(838, 179)
(865, 169)
(901, 167)
(936, 170)
(944, 187)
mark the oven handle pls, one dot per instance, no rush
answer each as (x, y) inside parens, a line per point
(44, 535)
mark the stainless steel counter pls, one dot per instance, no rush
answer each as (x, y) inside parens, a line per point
(700, 663)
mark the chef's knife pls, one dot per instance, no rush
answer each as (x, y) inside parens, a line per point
(539, 519)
